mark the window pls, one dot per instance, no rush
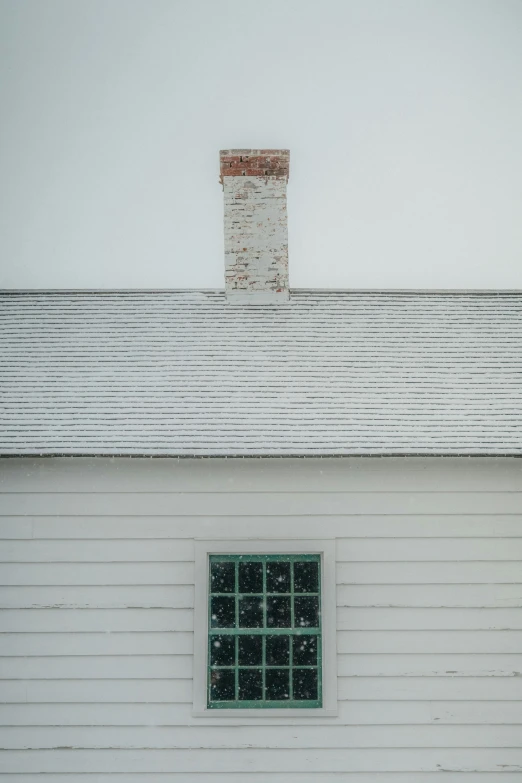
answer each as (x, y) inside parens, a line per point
(265, 628)
(264, 631)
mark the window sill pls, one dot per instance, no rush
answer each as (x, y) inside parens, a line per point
(238, 714)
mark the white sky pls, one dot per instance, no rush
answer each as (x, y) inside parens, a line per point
(403, 117)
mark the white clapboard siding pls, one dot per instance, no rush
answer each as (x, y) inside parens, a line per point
(98, 691)
(260, 777)
(97, 573)
(225, 504)
(40, 533)
(59, 620)
(425, 665)
(489, 595)
(181, 643)
(445, 619)
(172, 573)
(378, 549)
(106, 542)
(351, 713)
(94, 644)
(270, 760)
(430, 688)
(454, 642)
(110, 667)
(101, 620)
(182, 596)
(88, 474)
(503, 572)
(99, 596)
(274, 737)
(103, 691)
(97, 593)
(162, 666)
(393, 549)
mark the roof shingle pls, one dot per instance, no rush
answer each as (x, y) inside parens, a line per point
(183, 373)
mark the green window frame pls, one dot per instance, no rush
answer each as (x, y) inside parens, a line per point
(264, 631)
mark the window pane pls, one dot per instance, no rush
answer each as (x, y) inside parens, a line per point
(305, 684)
(223, 612)
(223, 577)
(306, 577)
(304, 651)
(278, 577)
(250, 577)
(222, 651)
(306, 612)
(265, 649)
(278, 612)
(250, 650)
(251, 612)
(222, 685)
(250, 684)
(277, 684)
(277, 650)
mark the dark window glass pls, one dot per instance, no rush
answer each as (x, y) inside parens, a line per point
(251, 612)
(306, 577)
(304, 650)
(222, 650)
(306, 612)
(222, 612)
(264, 645)
(278, 612)
(223, 577)
(277, 684)
(305, 684)
(278, 577)
(250, 577)
(222, 685)
(277, 650)
(250, 650)
(250, 684)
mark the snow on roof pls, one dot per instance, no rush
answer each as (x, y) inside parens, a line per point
(183, 373)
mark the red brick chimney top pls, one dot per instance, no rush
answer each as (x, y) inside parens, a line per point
(254, 163)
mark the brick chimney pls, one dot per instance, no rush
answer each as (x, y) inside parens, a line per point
(256, 237)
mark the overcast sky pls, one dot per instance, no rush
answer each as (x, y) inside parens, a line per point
(403, 117)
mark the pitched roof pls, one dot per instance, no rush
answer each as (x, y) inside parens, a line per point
(183, 373)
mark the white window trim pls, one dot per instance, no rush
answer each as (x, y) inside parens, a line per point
(323, 547)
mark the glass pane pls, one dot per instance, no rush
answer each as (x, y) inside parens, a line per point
(250, 684)
(278, 612)
(277, 650)
(278, 577)
(250, 650)
(277, 684)
(222, 685)
(223, 612)
(304, 650)
(222, 651)
(306, 612)
(305, 684)
(251, 577)
(251, 612)
(306, 577)
(223, 577)
(266, 612)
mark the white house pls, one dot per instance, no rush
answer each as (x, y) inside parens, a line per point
(261, 534)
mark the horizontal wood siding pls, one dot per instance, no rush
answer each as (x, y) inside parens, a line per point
(275, 777)
(97, 596)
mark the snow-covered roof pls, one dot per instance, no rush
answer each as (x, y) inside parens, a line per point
(183, 373)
